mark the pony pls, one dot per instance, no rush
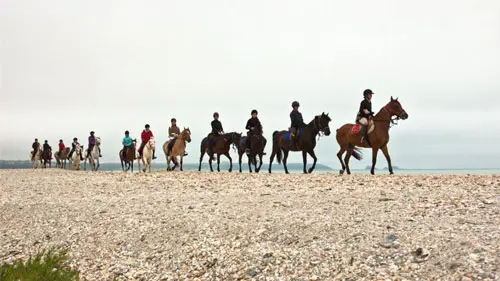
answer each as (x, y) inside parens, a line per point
(128, 160)
(257, 145)
(147, 155)
(306, 142)
(74, 162)
(47, 158)
(178, 149)
(222, 146)
(93, 156)
(35, 157)
(349, 138)
(62, 157)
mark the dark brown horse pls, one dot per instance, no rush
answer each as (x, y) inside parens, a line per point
(221, 147)
(47, 158)
(128, 161)
(257, 145)
(378, 139)
(306, 142)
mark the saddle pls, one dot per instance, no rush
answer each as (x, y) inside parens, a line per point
(288, 136)
(357, 128)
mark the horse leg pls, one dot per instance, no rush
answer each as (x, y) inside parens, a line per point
(210, 158)
(285, 157)
(304, 160)
(249, 164)
(339, 156)
(260, 163)
(230, 161)
(240, 155)
(271, 159)
(315, 159)
(346, 160)
(182, 157)
(374, 159)
(201, 159)
(218, 162)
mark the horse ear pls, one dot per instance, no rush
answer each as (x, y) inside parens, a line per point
(392, 98)
(397, 98)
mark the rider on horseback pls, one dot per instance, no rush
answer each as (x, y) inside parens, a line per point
(254, 127)
(92, 143)
(216, 131)
(35, 147)
(365, 113)
(73, 147)
(127, 144)
(145, 136)
(173, 133)
(296, 122)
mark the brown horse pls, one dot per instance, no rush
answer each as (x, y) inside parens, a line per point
(306, 142)
(378, 139)
(221, 147)
(257, 145)
(128, 161)
(62, 157)
(178, 149)
(47, 158)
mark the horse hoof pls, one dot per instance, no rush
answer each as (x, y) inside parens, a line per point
(341, 172)
(310, 170)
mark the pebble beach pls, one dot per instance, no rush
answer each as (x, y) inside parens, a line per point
(230, 226)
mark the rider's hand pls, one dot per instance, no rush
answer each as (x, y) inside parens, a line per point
(251, 128)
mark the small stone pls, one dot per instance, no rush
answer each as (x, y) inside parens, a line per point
(252, 272)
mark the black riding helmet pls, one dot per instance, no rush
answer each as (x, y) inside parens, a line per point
(92, 132)
(36, 139)
(254, 111)
(126, 132)
(216, 114)
(367, 92)
(46, 141)
(295, 103)
(173, 119)
(75, 139)
(147, 126)
(60, 140)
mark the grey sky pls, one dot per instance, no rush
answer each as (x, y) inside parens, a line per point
(68, 67)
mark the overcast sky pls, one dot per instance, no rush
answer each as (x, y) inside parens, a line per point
(68, 67)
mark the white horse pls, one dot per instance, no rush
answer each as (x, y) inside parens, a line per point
(147, 155)
(93, 157)
(37, 157)
(74, 161)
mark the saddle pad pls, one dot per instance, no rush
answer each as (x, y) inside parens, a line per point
(286, 137)
(355, 129)
(244, 140)
(215, 140)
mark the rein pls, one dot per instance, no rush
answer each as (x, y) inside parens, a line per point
(320, 131)
(393, 121)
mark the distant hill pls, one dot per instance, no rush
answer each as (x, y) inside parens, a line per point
(13, 164)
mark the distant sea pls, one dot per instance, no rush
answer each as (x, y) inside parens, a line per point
(292, 167)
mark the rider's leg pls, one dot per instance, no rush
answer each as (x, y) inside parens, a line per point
(364, 130)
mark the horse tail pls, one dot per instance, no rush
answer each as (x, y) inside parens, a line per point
(356, 152)
(276, 147)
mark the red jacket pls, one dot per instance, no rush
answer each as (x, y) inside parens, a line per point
(61, 146)
(146, 136)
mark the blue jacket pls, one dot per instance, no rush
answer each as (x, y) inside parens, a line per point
(127, 141)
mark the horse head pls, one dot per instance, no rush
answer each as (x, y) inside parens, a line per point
(152, 142)
(321, 123)
(186, 134)
(395, 109)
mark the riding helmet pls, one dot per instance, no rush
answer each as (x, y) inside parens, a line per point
(173, 119)
(46, 141)
(126, 132)
(36, 139)
(92, 132)
(367, 92)
(60, 140)
(255, 111)
(147, 126)
(75, 139)
(295, 103)
(216, 114)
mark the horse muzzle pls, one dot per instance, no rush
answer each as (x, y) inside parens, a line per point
(327, 131)
(403, 115)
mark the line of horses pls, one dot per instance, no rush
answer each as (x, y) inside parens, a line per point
(347, 137)
(44, 157)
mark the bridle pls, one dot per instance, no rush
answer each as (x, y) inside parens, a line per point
(393, 121)
(318, 126)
